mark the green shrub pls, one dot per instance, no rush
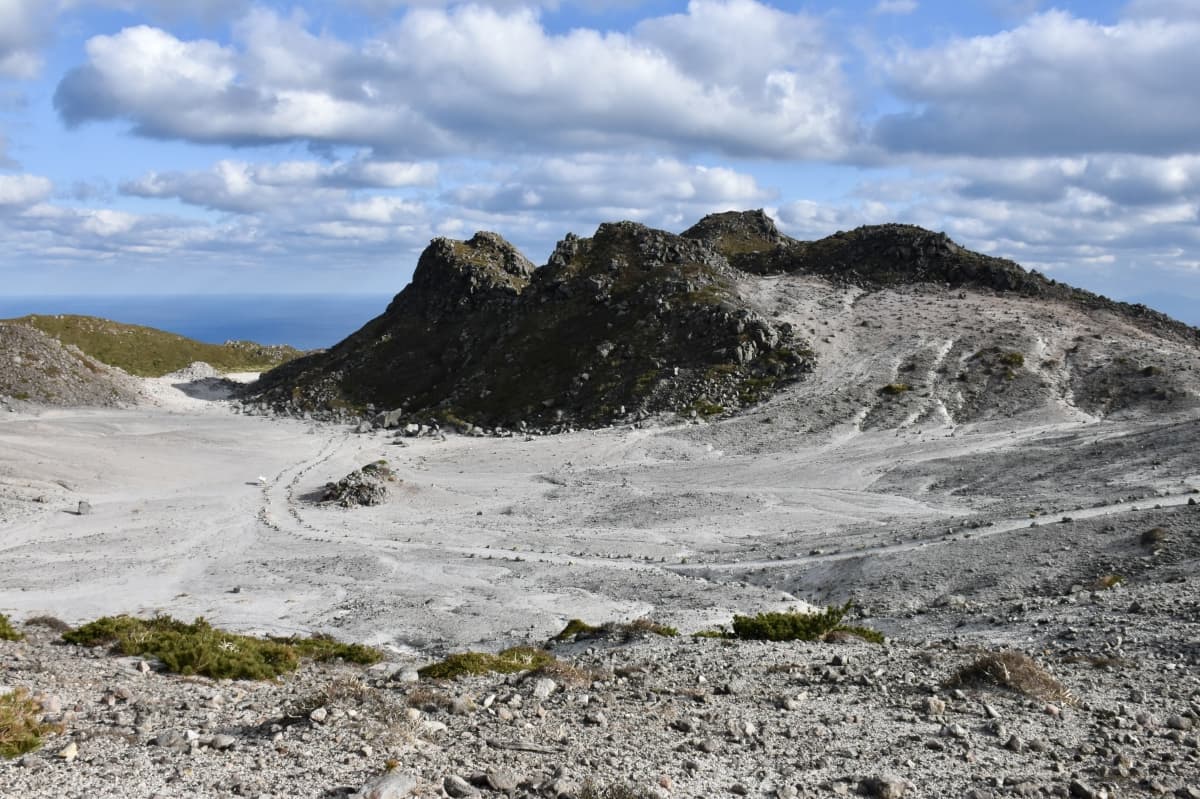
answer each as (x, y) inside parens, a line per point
(21, 728)
(7, 632)
(894, 389)
(198, 648)
(577, 628)
(509, 661)
(1013, 359)
(798, 626)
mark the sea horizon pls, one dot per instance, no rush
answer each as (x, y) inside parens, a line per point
(304, 321)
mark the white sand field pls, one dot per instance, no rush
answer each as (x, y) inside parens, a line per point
(482, 541)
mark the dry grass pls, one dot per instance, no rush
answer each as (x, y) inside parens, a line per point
(49, 622)
(21, 727)
(1014, 671)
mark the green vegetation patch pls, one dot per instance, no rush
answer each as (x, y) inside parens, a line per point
(578, 628)
(147, 352)
(895, 389)
(21, 727)
(7, 632)
(1013, 359)
(199, 648)
(509, 661)
(797, 626)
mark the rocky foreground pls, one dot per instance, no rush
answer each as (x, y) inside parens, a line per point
(1116, 714)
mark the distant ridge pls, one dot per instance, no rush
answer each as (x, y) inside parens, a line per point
(149, 352)
(635, 321)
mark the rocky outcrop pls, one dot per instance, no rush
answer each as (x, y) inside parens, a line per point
(629, 322)
(635, 321)
(880, 256)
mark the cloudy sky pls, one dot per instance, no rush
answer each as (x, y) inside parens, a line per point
(308, 146)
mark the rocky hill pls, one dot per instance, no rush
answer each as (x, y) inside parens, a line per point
(636, 321)
(37, 368)
(148, 352)
(630, 321)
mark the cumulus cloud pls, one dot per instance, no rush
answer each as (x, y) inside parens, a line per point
(477, 79)
(1055, 85)
(619, 186)
(23, 190)
(24, 25)
(243, 187)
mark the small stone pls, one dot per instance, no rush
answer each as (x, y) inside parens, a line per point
(458, 788)
(171, 739)
(501, 779)
(84, 508)
(1081, 790)
(934, 706)
(391, 785)
(887, 786)
(738, 789)
(1014, 744)
(222, 742)
(462, 706)
(69, 752)
(596, 718)
(319, 715)
(543, 688)
(953, 731)
(1180, 723)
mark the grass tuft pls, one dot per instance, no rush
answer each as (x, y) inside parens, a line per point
(509, 661)
(1014, 671)
(199, 648)
(797, 626)
(7, 631)
(21, 728)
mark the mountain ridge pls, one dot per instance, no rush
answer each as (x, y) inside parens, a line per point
(635, 321)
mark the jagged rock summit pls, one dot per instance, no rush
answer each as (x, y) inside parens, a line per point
(635, 321)
(629, 321)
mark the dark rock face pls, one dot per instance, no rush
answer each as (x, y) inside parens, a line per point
(635, 321)
(628, 322)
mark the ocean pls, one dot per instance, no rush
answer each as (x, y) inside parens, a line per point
(306, 321)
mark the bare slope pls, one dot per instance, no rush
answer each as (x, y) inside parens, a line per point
(37, 368)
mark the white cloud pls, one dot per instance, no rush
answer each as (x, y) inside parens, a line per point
(1056, 85)
(896, 7)
(23, 190)
(24, 25)
(243, 187)
(473, 78)
(636, 186)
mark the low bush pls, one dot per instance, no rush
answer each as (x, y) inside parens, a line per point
(21, 727)
(578, 629)
(797, 626)
(199, 648)
(895, 389)
(509, 661)
(1014, 671)
(7, 631)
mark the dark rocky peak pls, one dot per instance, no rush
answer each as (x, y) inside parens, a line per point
(626, 259)
(737, 232)
(454, 274)
(897, 254)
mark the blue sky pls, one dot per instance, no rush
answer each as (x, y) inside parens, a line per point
(225, 145)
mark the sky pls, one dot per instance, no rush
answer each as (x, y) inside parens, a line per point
(220, 146)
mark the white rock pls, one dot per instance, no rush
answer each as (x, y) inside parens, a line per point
(392, 785)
